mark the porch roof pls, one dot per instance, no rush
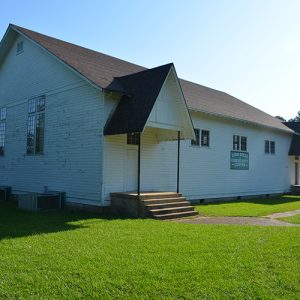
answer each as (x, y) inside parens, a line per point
(295, 146)
(140, 90)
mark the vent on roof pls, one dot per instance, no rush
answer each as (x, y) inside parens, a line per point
(20, 48)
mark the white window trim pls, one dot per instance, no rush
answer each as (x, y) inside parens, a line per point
(200, 139)
(240, 143)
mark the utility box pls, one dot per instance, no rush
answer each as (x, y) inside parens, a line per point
(5, 193)
(39, 202)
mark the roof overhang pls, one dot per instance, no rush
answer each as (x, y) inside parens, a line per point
(140, 92)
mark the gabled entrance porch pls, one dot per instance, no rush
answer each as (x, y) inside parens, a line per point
(144, 134)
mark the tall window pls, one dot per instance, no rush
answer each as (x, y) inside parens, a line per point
(239, 143)
(2, 129)
(36, 125)
(269, 147)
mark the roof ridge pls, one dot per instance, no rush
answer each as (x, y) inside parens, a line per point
(72, 44)
(100, 70)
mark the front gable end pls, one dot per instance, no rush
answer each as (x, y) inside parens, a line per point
(152, 98)
(170, 111)
(30, 71)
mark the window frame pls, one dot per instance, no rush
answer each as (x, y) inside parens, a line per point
(203, 142)
(200, 136)
(196, 142)
(35, 145)
(240, 143)
(236, 142)
(267, 147)
(133, 138)
(20, 47)
(270, 147)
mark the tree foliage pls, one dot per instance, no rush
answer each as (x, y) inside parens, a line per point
(296, 119)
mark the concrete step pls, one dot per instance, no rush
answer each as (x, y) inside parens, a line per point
(176, 215)
(170, 210)
(163, 200)
(159, 195)
(167, 205)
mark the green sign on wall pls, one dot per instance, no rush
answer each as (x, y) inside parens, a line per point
(239, 160)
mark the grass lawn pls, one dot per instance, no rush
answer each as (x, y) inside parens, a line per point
(66, 255)
(293, 219)
(251, 207)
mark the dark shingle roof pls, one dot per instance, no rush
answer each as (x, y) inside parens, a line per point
(101, 69)
(134, 108)
(293, 125)
(295, 146)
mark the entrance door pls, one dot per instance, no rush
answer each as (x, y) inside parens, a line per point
(296, 173)
(131, 176)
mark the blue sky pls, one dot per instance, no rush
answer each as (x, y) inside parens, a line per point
(247, 48)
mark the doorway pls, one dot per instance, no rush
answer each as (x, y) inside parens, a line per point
(131, 170)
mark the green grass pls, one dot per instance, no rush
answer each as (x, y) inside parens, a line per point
(66, 255)
(251, 207)
(293, 219)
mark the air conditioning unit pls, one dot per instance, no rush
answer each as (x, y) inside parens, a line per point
(5, 192)
(40, 202)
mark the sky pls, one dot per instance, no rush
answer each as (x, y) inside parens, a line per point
(247, 48)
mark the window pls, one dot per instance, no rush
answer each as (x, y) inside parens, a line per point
(133, 138)
(19, 48)
(236, 142)
(36, 125)
(239, 143)
(204, 138)
(272, 147)
(243, 143)
(196, 142)
(269, 147)
(2, 129)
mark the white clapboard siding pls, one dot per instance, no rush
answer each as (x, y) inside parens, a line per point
(205, 172)
(72, 161)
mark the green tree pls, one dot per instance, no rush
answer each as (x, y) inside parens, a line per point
(296, 119)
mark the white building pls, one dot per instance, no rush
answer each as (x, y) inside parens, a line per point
(71, 120)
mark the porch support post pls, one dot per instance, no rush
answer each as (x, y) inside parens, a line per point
(139, 164)
(178, 159)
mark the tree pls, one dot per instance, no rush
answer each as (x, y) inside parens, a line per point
(296, 119)
(281, 118)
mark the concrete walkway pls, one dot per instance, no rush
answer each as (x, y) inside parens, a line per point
(270, 220)
(284, 214)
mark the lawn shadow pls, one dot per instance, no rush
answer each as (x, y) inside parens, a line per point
(16, 223)
(264, 200)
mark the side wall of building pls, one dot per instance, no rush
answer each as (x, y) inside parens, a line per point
(72, 159)
(204, 171)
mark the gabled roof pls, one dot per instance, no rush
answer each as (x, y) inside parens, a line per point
(101, 69)
(135, 106)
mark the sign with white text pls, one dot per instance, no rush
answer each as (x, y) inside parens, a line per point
(239, 160)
